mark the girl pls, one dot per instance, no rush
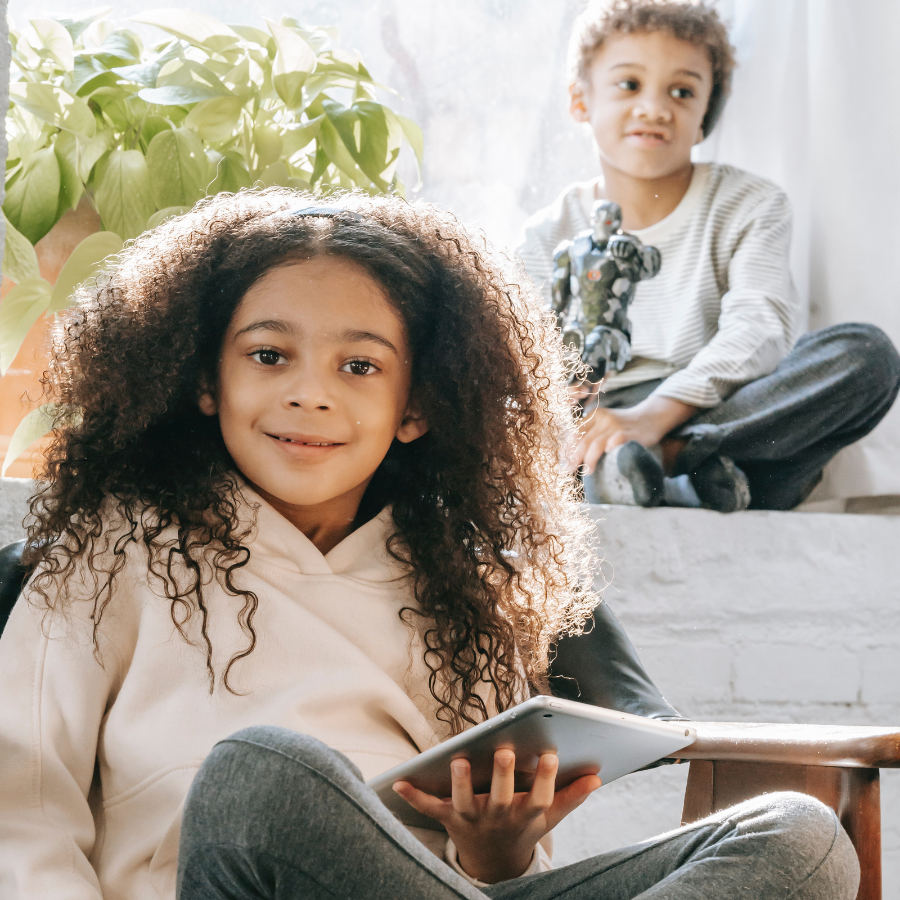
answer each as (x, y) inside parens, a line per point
(302, 518)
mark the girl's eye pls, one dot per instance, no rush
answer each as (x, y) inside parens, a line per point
(359, 367)
(628, 84)
(681, 93)
(268, 357)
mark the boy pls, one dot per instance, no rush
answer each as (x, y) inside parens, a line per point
(714, 396)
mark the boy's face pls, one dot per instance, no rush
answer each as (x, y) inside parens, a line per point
(645, 100)
(313, 385)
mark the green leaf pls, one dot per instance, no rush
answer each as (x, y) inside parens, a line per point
(77, 27)
(161, 215)
(114, 103)
(100, 80)
(321, 163)
(194, 27)
(91, 151)
(254, 35)
(32, 201)
(330, 142)
(54, 105)
(71, 186)
(123, 193)
(276, 174)
(121, 48)
(296, 137)
(268, 144)
(147, 73)
(317, 38)
(239, 80)
(20, 262)
(84, 72)
(152, 126)
(413, 134)
(231, 174)
(177, 95)
(295, 60)
(216, 119)
(335, 63)
(179, 169)
(32, 428)
(56, 41)
(363, 157)
(182, 82)
(372, 136)
(86, 259)
(20, 309)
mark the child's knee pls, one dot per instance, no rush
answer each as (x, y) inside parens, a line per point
(882, 357)
(814, 833)
(267, 760)
(805, 834)
(273, 746)
(866, 351)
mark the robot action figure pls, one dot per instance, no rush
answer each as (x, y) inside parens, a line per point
(594, 279)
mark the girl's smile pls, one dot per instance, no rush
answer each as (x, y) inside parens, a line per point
(313, 387)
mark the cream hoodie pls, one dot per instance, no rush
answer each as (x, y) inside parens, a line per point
(96, 762)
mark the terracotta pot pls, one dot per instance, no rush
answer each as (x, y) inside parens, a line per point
(20, 389)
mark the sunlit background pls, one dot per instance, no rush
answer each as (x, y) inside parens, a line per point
(811, 109)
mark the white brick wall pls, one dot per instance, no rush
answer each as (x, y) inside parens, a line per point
(767, 617)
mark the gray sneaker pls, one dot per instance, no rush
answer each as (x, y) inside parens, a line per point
(721, 485)
(629, 475)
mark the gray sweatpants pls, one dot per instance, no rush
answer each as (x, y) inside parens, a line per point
(276, 814)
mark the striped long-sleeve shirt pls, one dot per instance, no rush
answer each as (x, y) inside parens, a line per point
(723, 310)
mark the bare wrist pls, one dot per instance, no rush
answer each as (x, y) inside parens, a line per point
(494, 869)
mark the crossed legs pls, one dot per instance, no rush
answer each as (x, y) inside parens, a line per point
(276, 814)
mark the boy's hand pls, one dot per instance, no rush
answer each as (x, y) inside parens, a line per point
(495, 834)
(647, 423)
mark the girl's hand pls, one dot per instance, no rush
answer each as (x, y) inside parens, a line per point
(496, 833)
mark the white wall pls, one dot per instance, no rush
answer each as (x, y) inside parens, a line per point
(759, 616)
(765, 617)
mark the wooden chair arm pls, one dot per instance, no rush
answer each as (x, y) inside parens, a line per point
(846, 746)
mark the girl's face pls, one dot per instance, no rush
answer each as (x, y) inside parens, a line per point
(313, 386)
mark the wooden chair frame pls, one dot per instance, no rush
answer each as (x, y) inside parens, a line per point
(839, 765)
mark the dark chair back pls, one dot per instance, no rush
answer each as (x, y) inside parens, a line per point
(12, 576)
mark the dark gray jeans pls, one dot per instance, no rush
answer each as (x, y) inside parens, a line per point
(832, 389)
(276, 814)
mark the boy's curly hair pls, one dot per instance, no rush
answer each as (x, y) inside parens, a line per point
(486, 519)
(694, 21)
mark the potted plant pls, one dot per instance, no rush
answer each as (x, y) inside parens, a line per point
(109, 136)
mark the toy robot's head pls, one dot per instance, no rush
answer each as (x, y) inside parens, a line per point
(606, 218)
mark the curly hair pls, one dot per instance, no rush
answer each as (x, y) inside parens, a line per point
(487, 521)
(694, 21)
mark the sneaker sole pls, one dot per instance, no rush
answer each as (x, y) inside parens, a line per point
(643, 472)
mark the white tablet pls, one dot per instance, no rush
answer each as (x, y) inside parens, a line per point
(588, 740)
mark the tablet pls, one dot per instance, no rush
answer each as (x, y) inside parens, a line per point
(588, 740)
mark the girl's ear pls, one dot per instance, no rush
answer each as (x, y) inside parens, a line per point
(207, 404)
(577, 105)
(413, 425)
(206, 400)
